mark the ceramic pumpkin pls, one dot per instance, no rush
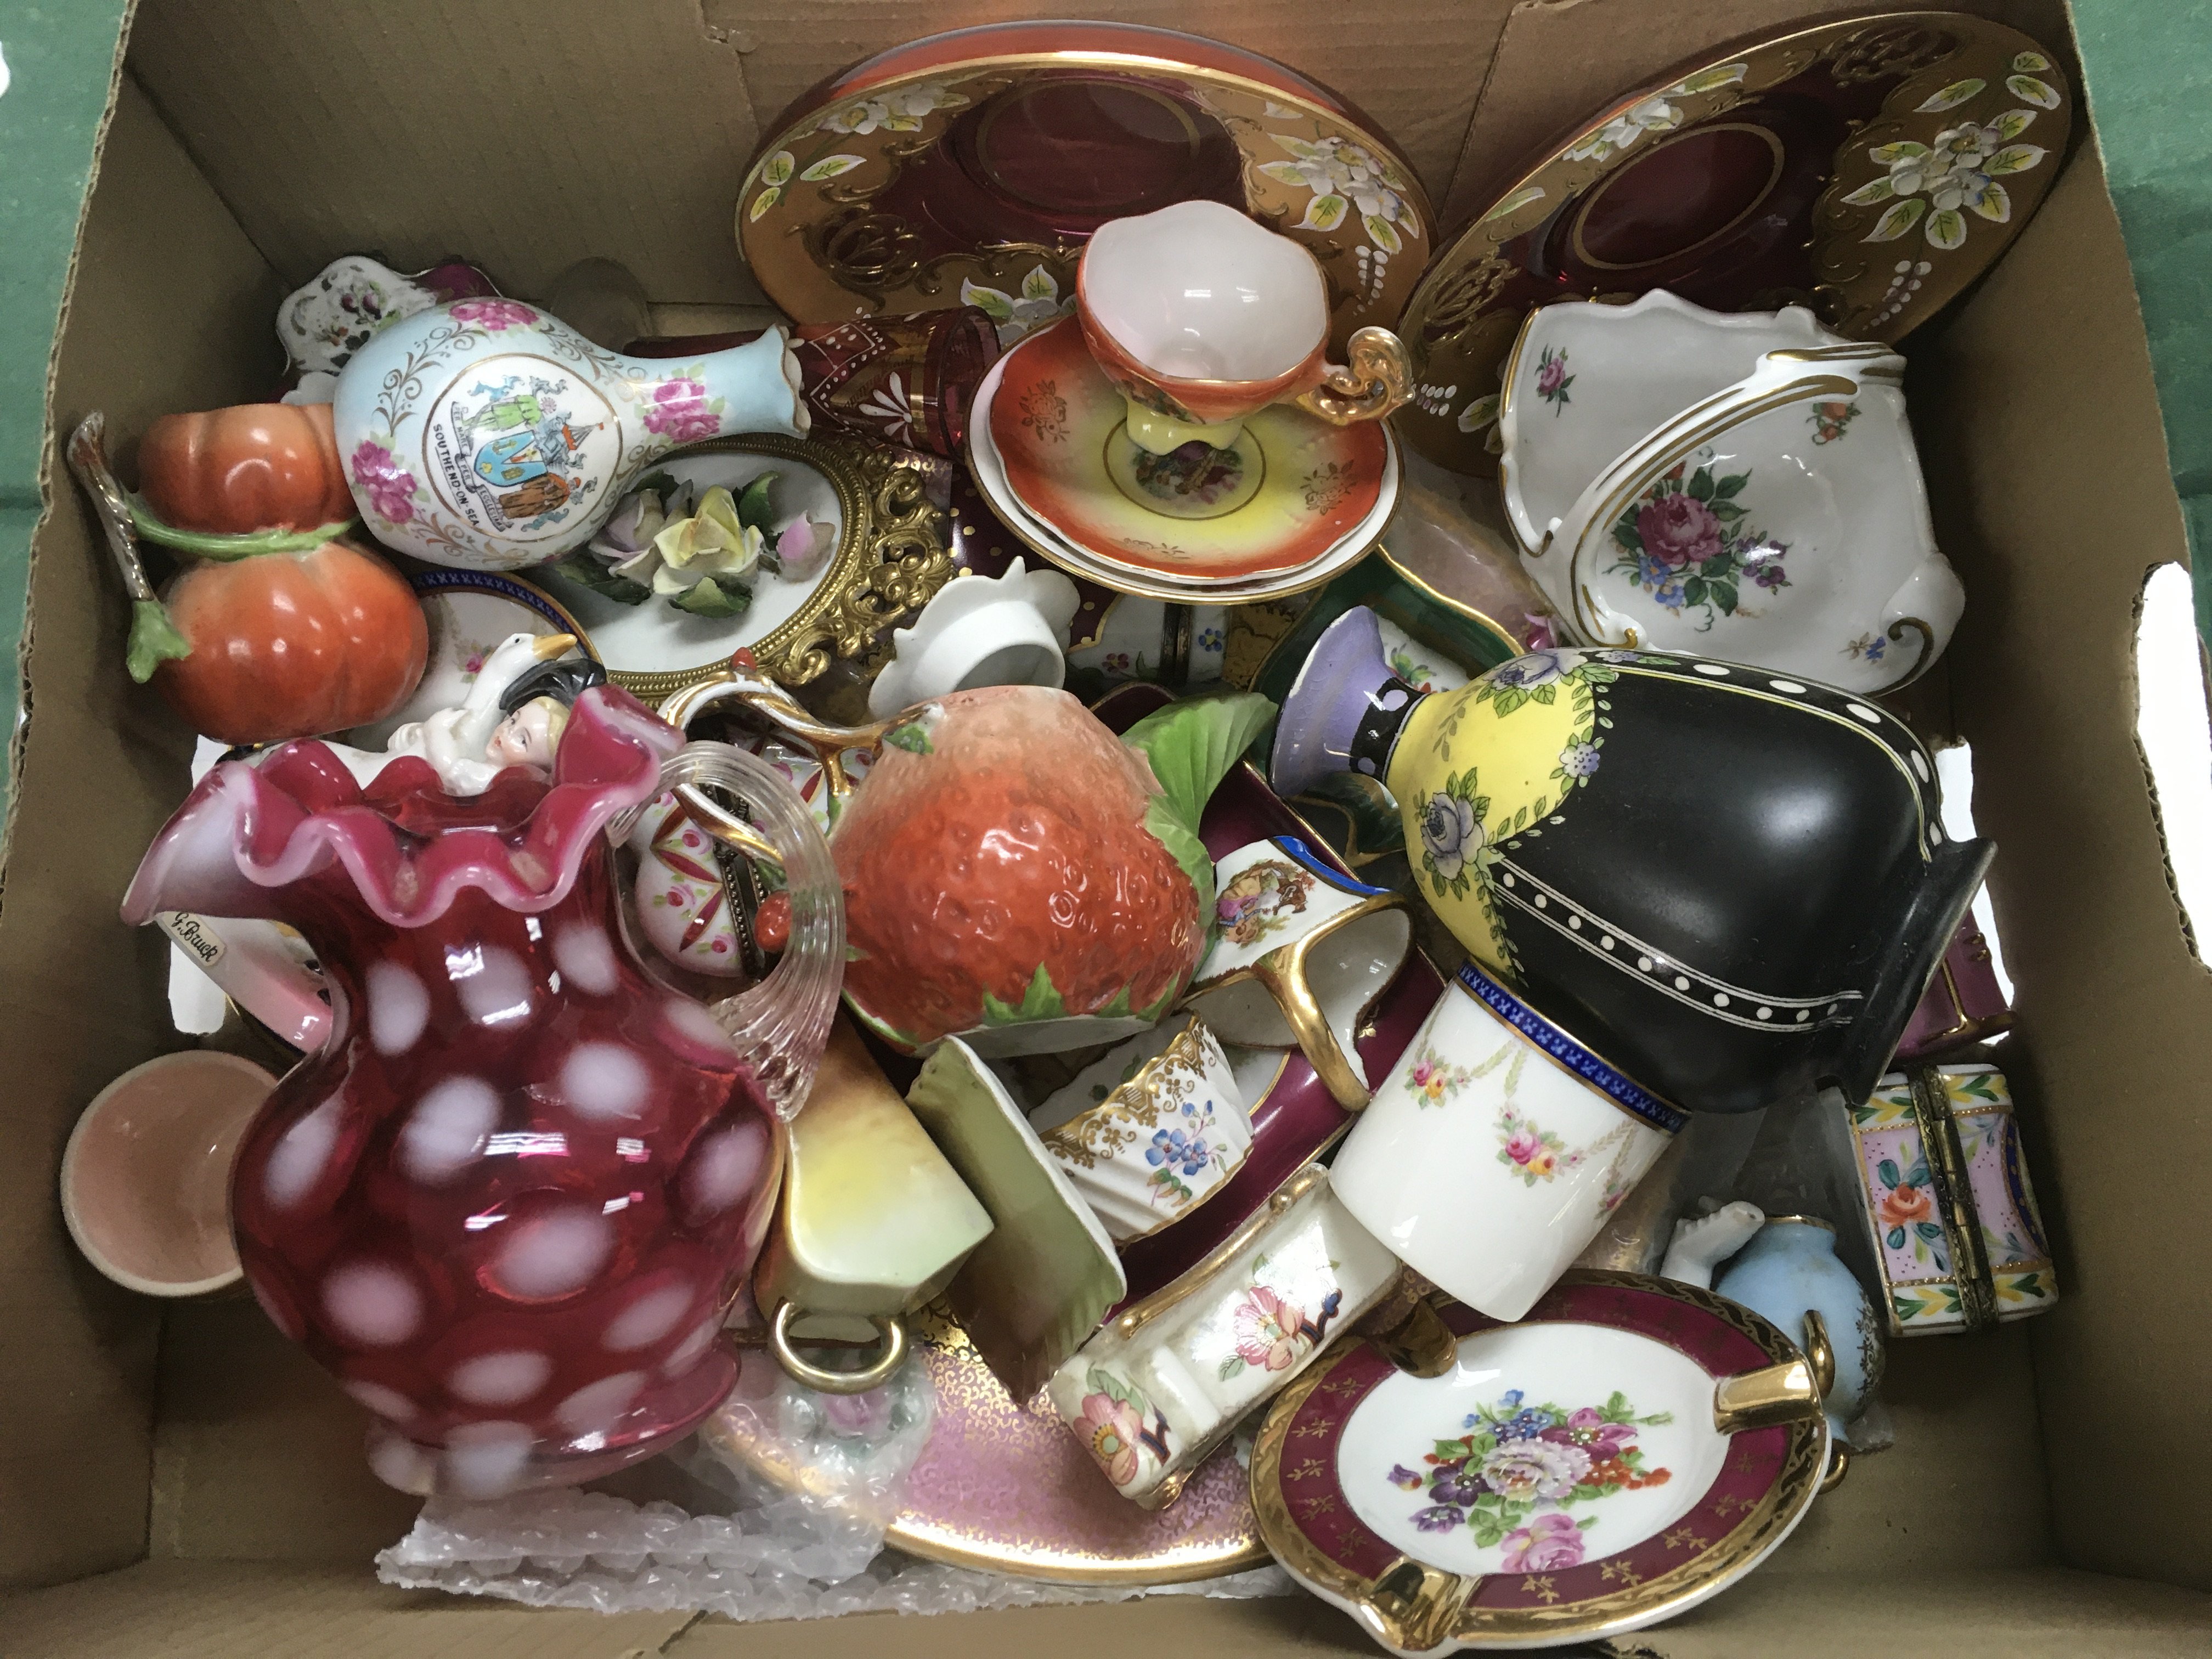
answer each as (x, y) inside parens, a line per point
(253, 466)
(1733, 884)
(1017, 875)
(292, 644)
(272, 633)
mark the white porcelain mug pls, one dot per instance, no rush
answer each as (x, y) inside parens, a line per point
(1490, 1157)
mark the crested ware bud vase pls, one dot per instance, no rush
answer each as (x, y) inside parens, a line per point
(487, 434)
(1732, 885)
(507, 1203)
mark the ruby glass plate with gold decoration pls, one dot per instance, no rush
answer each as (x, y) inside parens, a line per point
(1870, 169)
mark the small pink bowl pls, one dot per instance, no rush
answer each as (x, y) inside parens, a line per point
(146, 1178)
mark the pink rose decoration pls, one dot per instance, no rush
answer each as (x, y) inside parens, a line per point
(678, 410)
(493, 315)
(1545, 1545)
(1524, 1147)
(384, 486)
(1551, 374)
(1679, 529)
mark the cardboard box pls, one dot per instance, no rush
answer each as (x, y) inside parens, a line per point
(184, 1481)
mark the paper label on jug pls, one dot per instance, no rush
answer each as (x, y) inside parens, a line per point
(519, 446)
(198, 940)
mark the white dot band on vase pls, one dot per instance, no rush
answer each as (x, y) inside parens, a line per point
(1494, 1152)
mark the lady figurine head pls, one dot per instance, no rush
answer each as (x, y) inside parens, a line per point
(1732, 885)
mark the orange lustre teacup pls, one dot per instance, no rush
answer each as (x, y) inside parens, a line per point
(1201, 316)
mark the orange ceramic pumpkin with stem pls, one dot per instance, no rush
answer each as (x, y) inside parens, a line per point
(283, 629)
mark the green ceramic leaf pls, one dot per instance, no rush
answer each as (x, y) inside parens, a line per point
(1883, 155)
(1731, 485)
(1946, 227)
(587, 572)
(2013, 158)
(1039, 285)
(762, 202)
(777, 169)
(1701, 485)
(2030, 63)
(1191, 745)
(2040, 93)
(2009, 125)
(1385, 235)
(1995, 204)
(752, 506)
(709, 599)
(1520, 199)
(829, 167)
(998, 306)
(1867, 195)
(913, 737)
(154, 640)
(1040, 1001)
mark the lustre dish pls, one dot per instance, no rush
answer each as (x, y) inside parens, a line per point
(970, 169)
(1870, 169)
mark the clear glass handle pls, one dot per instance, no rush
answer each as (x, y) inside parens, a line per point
(783, 1024)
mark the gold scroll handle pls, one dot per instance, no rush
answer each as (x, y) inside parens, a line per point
(1379, 377)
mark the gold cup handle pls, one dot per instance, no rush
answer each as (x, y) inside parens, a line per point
(891, 1331)
(1379, 379)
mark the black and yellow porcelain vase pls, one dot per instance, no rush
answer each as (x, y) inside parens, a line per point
(1732, 884)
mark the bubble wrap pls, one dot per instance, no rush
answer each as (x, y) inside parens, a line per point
(744, 1550)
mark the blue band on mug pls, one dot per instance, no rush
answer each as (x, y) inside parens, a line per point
(1625, 1093)
(1301, 853)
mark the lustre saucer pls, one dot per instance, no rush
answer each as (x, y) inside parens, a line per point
(1870, 169)
(1289, 490)
(1629, 1449)
(990, 477)
(971, 167)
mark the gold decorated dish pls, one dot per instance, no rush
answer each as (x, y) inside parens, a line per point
(1868, 169)
(1631, 1447)
(1002, 1487)
(890, 557)
(971, 168)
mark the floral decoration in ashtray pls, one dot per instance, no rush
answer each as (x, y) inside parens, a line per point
(1522, 1476)
(1569, 1477)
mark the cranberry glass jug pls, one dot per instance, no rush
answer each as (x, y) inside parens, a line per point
(508, 1202)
